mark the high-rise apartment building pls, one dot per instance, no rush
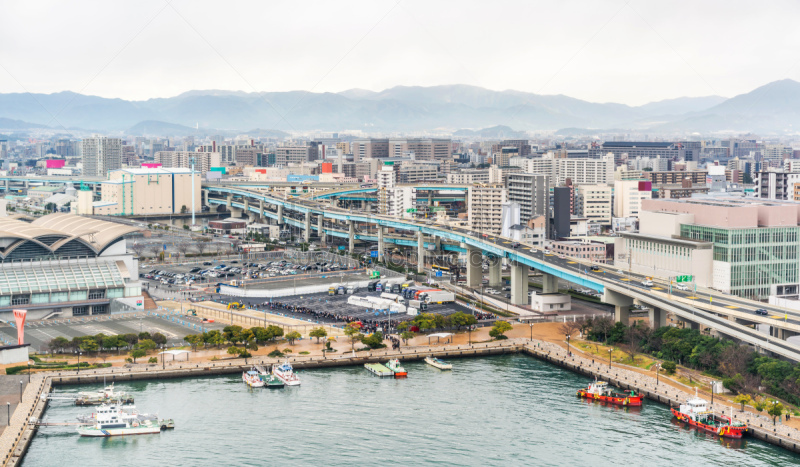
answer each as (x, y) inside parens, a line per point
(291, 155)
(424, 149)
(485, 208)
(531, 192)
(101, 155)
(386, 181)
(628, 196)
(586, 171)
(634, 149)
(523, 146)
(203, 161)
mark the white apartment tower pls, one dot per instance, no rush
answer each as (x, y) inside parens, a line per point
(485, 208)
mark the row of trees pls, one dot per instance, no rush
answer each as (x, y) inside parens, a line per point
(432, 321)
(741, 369)
(101, 341)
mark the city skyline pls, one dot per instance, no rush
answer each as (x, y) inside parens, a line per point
(623, 52)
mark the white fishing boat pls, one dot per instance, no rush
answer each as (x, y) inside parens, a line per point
(103, 396)
(285, 373)
(436, 363)
(111, 420)
(252, 379)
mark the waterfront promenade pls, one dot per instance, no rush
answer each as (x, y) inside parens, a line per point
(15, 439)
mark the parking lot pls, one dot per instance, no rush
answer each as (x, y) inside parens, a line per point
(334, 309)
(175, 328)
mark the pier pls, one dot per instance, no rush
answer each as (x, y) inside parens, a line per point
(15, 440)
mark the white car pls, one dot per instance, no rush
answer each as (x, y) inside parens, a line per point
(647, 283)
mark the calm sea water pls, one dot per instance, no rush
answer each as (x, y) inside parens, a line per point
(506, 410)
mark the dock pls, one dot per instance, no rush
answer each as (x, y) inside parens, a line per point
(378, 369)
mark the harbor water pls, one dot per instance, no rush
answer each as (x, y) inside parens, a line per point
(505, 410)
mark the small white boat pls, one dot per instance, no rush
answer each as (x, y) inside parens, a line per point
(436, 363)
(111, 420)
(252, 379)
(285, 373)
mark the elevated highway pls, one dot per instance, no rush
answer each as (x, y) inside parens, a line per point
(620, 289)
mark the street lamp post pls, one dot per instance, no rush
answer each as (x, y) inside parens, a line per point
(609, 358)
(20, 391)
(29, 370)
(658, 369)
(79, 362)
(531, 325)
(8, 409)
(569, 354)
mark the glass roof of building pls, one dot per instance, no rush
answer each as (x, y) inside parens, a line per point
(55, 278)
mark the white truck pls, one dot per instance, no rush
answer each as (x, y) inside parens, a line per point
(438, 296)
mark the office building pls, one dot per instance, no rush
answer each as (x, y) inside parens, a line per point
(371, 148)
(468, 177)
(101, 155)
(523, 146)
(562, 202)
(628, 196)
(776, 185)
(286, 155)
(423, 149)
(593, 202)
(632, 149)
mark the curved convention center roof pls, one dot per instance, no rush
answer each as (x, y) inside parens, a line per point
(57, 234)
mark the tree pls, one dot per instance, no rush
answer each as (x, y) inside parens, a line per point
(353, 331)
(374, 340)
(110, 342)
(743, 399)
(669, 367)
(251, 345)
(183, 247)
(193, 340)
(569, 328)
(747, 178)
(184, 209)
(233, 350)
(759, 404)
(144, 335)
(159, 338)
(775, 410)
(319, 332)
(406, 335)
(131, 339)
(201, 245)
(632, 344)
(154, 249)
(293, 336)
(137, 353)
(59, 343)
(602, 325)
(89, 345)
(146, 344)
(499, 329)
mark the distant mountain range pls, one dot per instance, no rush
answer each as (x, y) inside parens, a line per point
(456, 109)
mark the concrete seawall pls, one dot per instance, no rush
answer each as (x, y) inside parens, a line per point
(18, 436)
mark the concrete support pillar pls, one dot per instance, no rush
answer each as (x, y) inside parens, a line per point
(657, 318)
(438, 242)
(351, 248)
(280, 214)
(519, 284)
(247, 207)
(381, 245)
(549, 283)
(622, 314)
(205, 197)
(777, 332)
(236, 212)
(420, 253)
(307, 230)
(495, 271)
(229, 202)
(321, 228)
(474, 270)
(622, 305)
(261, 211)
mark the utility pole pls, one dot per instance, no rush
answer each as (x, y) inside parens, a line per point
(192, 175)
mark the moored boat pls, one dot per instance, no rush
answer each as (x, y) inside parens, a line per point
(600, 391)
(252, 379)
(285, 373)
(397, 369)
(270, 381)
(112, 420)
(103, 396)
(436, 363)
(695, 412)
(378, 369)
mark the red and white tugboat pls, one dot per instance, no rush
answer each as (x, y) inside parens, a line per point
(600, 391)
(696, 414)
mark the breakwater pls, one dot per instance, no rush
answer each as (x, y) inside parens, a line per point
(617, 375)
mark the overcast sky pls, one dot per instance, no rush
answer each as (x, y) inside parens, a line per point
(601, 51)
